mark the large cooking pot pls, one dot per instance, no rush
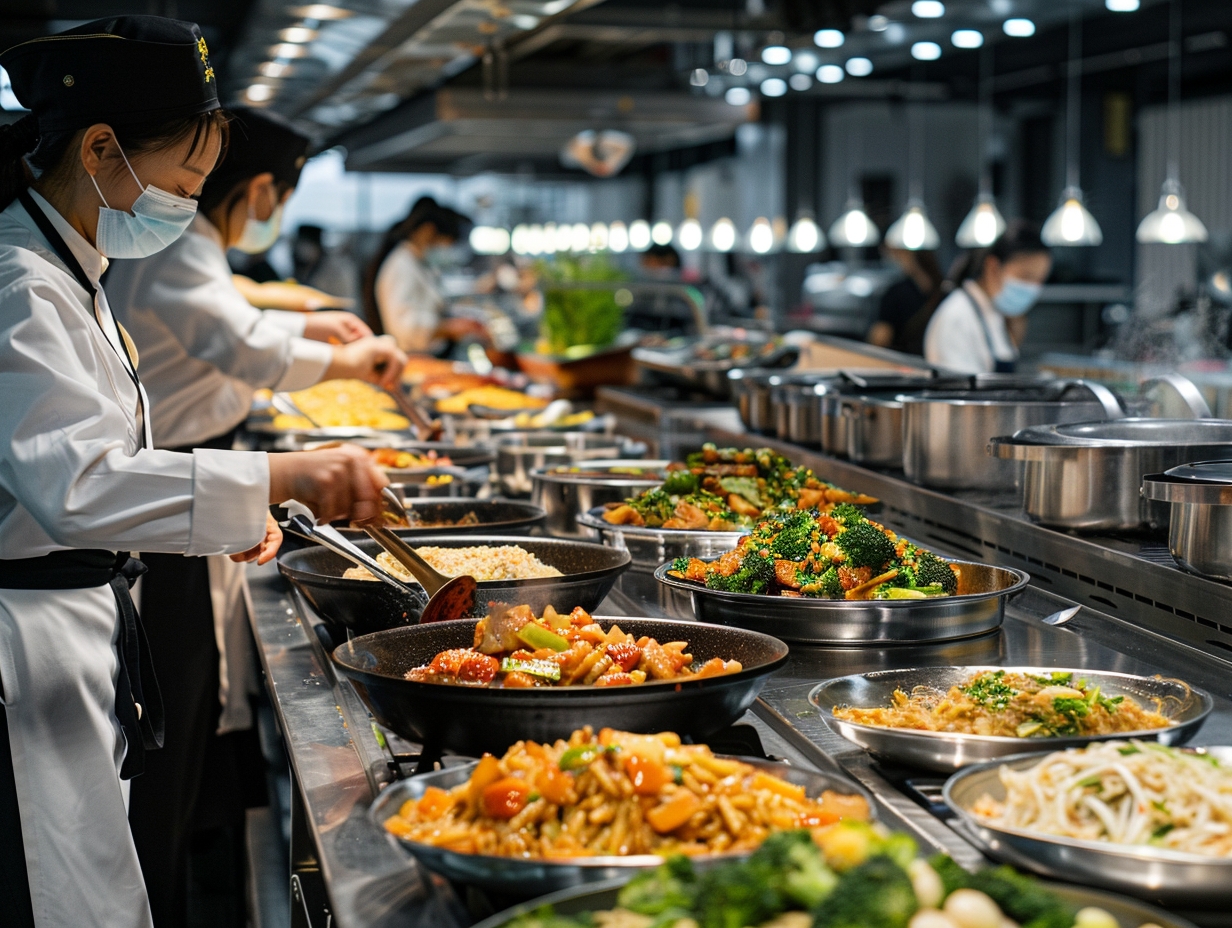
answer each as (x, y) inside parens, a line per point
(1200, 529)
(798, 411)
(873, 426)
(751, 391)
(517, 456)
(565, 492)
(946, 433)
(1088, 476)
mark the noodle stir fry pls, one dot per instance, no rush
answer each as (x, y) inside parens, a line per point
(617, 794)
(1011, 705)
(1135, 792)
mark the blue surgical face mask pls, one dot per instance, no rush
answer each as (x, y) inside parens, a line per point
(1016, 297)
(157, 219)
(259, 236)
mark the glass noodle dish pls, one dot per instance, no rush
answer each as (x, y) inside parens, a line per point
(849, 875)
(515, 648)
(1011, 705)
(841, 554)
(615, 794)
(724, 490)
(1129, 793)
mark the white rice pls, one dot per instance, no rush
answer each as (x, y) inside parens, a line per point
(483, 562)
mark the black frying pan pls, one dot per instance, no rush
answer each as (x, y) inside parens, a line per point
(471, 720)
(364, 606)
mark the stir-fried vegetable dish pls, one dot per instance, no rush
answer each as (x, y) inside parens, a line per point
(848, 875)
(515, 648)
(1012, 705)
(724, 490)
(616, 794)
(837, 555)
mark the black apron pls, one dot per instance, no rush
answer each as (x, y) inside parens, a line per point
(999, 366)
(138, 704)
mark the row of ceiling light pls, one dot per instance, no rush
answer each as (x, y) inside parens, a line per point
(292, 45)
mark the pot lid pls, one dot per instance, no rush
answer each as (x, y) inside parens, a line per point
(1129, 433)
(1206, 482)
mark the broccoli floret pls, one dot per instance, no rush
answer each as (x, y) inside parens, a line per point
(680, 563)
(930, 570)
(865, 545)
(848, 514)
(1020, 897)
(755, 575)
(737, 894)
(876, 894)
(546, 917)
(899, 846)
(669, 887)
(795, 862)
(826, 585)
(794, 543)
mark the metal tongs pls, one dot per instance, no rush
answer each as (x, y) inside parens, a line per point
(449, 598)
(303, 523)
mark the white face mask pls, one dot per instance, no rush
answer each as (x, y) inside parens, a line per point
(157, 219)
(259, 236)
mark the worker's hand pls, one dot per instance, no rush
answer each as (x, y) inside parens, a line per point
(335, 327)
(376, 360)
(336, 483)
(263, 552)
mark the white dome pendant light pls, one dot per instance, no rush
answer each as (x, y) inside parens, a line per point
(1171, 223)
(1071, 224)
(984, 224)
(913, 231)
(854, 228)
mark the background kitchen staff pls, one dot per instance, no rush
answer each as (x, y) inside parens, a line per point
(204, 350)
(971, 330)
(126, 122)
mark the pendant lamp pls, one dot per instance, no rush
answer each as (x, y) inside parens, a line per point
(1171, 223)
(984, 224)
(1071, 224)
(805, 236)
(854, 229)
(913, 231)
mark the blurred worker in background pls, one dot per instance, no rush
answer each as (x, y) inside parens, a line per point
(977, 329)
(907, 305)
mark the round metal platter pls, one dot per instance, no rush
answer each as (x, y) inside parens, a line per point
(1186, 706)
(525, 879)
(1189, 881)
(496, 516)
(1130, 913)
(978, 607)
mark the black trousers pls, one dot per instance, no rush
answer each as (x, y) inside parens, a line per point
(15, 904)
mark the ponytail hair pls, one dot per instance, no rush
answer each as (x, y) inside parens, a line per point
(22, 143)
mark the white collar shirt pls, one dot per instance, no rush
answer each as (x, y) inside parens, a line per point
(966, 334)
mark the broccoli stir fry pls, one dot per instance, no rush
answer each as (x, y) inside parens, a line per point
(840, 554)
(846, 876)
(724, 490)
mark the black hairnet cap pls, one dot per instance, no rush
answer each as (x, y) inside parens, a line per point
(121, 71)
(260, 141)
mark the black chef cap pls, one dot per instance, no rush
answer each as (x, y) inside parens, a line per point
(122, 71)
(260, 141)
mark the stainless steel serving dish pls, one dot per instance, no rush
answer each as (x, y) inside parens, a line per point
(978, 607)
(680, 360)
(601, 897)
(517, 456)
(564, 495)
(1187, 881)
(946, 433)
(1186, 706)
(1088, 476)
(1200, 528)
(528, 878)
(650, 547)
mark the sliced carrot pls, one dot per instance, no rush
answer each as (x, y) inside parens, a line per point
(763, 780)
(434, 803)
(675, 812)
(647, 774)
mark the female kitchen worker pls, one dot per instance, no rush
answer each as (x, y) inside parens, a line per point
(204, 350)
(124, 128)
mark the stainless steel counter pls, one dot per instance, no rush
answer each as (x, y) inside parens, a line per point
(1142, 615)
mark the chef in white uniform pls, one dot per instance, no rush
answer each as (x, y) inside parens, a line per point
(126, 123)
(978, 327)
(204, 350)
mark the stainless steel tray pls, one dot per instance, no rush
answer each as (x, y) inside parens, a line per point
(527, 878)
(950, 751)
(979, 607)
(1130, 913)
(1188, 881)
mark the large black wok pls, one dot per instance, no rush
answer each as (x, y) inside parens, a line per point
(364, 606)
(474, 719)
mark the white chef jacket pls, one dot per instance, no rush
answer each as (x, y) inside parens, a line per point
(408, 299)
(956, 340)
(204, 348)
(72, 475)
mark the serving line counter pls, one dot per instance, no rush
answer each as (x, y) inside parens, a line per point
(1143, 615)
